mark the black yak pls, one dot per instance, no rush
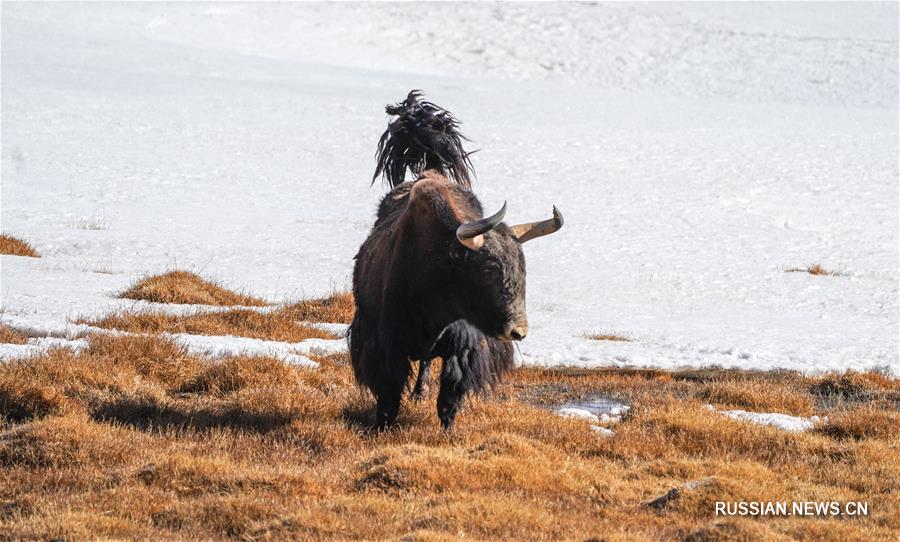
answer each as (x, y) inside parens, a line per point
(435, 278)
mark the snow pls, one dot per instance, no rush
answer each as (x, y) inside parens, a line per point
(69, 335)
(696, 151)
(578, 413)
(588, 416)
(602, 431)
(786, 422)
(37, 346)
(597, 410)
(215, 346)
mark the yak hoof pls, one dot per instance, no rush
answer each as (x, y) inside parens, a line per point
(447, 425)
(384, 420)
(419, 393)
(447, 419)
(384, 423)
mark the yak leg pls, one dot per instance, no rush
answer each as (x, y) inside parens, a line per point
(421, 388)
(390, 394)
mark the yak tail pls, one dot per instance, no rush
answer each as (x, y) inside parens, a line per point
(423, 136)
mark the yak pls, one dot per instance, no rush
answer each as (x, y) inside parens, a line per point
(435, 277)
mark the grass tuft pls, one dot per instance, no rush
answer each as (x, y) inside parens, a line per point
(335, 308)
(853, 386)
(186, 288)
(814, 269)
(869, 421)
(608, 337)
(241, 322)
(760, 395)
(9, 335)
(16, 247)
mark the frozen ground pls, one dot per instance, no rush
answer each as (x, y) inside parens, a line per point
(696, 151)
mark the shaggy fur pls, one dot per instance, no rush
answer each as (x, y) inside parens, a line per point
(421, 294)
(423, 136)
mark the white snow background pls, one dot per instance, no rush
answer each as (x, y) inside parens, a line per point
(695, 150)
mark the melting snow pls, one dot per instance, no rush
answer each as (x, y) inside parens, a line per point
(794, 424)
(601, 409)
(39, 345)
(44, 336)
(595, 411)
(227, 346)
(579, 413)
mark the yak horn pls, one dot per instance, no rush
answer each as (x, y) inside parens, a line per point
(471, 234)
(533, 230)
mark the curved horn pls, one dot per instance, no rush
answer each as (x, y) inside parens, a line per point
(533, 230)
(471, 234)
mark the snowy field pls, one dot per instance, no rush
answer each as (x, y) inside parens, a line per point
(697, 151)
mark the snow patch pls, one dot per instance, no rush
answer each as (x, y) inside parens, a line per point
(179, 309)
(596, 411)
(47, 334)
(217, 346)
(578, 413)
(49, 328)
(793, 424)
(37, 346)
(603, 409)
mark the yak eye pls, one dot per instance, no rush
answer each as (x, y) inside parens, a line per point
(492, 269)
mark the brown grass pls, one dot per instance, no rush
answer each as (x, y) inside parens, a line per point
(335, 308)
(760, 395)
(133, 438)
(16, 247)
(279, 326)
(186, 288)
(9, 335)
(286, 324)
(853, 386)
(814, 269)
(608, 337)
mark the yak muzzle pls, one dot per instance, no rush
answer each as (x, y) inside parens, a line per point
(516, 331)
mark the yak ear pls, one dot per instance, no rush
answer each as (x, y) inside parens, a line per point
(471, 234)
(474, 243)
(533, 230)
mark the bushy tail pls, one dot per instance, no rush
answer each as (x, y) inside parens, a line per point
(423, 136)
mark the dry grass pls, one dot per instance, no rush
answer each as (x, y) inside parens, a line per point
(760, 395)
(11, 336)
(16, 247)
(853, 387)
(814, 269)
(607, 336)
(186, 288)
(133, 438)
(335, 308)
(278, 326)
(286, 324)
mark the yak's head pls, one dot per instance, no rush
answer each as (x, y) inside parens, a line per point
(489, 267)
